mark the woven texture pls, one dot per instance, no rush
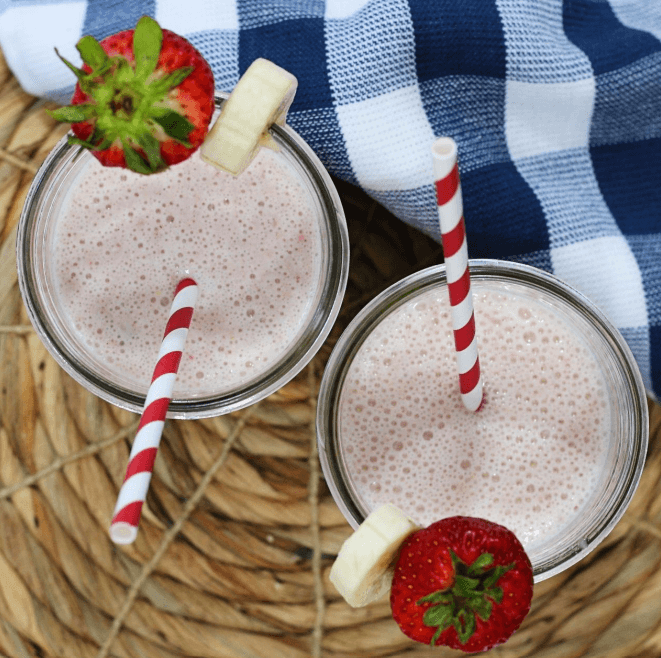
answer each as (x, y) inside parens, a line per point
(554, 105)
(239, 530)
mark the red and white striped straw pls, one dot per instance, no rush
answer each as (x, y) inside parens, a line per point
(453, 235)
(126, 517)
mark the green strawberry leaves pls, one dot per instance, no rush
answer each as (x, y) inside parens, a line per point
(147, 41)
(95, 142)
(79, 73)
(127, 102)
(152, 149)
(163, 84)
(472, 594)
(145, 156)
(465, 624)
(174, 124)
(485, 560)
(72, 113)
(92, 53)
(464, 586)
(439, 616)
(135, 162)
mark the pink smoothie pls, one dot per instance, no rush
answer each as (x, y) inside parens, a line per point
(529, 459)
(252, 243)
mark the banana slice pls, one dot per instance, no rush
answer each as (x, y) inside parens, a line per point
(261, 98)
(363, 570)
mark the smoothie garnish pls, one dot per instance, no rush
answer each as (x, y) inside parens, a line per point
(143, 100)
(462, 582)
(363, 570)
(453, 236)
(132, 495)
(261, 98)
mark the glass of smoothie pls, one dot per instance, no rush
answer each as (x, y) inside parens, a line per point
(100, 251)
(554, 454)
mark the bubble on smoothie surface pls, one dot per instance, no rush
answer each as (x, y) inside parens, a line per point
(529, 459)
(252, 243)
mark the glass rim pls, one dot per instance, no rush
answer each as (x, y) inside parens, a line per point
(322, 318)
(404, 290)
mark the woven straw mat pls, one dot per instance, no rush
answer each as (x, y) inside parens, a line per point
(239, 530)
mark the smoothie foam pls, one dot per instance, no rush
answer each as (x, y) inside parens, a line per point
(252, 243)
(529, 459)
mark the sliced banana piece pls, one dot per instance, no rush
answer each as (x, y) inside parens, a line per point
(261, 98)
(363, 570)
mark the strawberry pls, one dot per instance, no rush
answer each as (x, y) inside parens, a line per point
(144, 98)
(462, 582)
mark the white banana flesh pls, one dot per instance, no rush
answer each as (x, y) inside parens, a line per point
(363, 570)
(261, 98)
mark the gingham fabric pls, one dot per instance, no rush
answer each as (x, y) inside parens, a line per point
(555, 106)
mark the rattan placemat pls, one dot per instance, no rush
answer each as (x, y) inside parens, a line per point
(239, 530)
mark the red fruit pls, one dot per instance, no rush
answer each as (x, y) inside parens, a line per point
(144, 98)
(462, 582)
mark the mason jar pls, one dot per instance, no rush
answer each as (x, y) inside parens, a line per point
(556, 451)
(100, 307)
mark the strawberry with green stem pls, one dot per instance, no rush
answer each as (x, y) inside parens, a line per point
(462, 582)
(144, 98)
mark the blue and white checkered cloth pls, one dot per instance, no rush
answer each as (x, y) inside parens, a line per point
(555, 106)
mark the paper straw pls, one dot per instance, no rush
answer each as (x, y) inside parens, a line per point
(126, 517)
(453, 235)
